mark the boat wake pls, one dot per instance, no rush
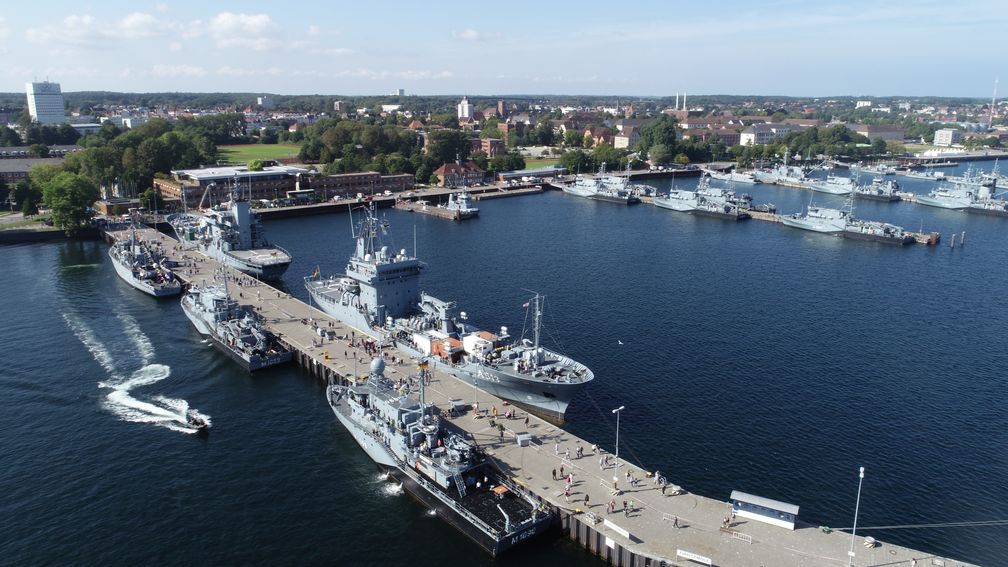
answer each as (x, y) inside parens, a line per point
(171, 413)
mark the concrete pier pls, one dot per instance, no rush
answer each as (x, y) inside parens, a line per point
(670, 527)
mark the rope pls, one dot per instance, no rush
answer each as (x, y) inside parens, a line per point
(944, 525)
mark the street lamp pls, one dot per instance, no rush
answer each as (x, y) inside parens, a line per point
(615, 475)
(856, 506)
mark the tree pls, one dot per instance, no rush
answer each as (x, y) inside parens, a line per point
(255, 165)
(70, 197)
(151, 199)
(27, 196)
(573, 138)
(661, 131)
(878, 146)
(659, 154)
(445, 145)
(682, 159)
(9, 137)
(576, 161)
(38, 150)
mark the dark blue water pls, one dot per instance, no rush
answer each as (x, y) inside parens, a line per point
(754, 357)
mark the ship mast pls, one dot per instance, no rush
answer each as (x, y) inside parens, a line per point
(538, 322)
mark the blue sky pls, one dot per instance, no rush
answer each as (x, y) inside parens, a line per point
(644, 48)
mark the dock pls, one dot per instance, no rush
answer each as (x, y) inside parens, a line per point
(659, 527)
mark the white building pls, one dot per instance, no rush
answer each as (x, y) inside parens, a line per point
(45, 103)
(759, 134)
(863, 104)
(265, 102)
(465, 109)
(946, 137)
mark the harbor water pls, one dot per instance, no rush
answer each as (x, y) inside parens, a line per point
(749, 356)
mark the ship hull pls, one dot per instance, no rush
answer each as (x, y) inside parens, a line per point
(631, 200)
(411, 483)
(720, 215)
(868, 237)
(883, 198)
(671, 205)
(202, 327)
(127, 276)
(804, 225)
(939, 203)
(988, 212)
(378, 452)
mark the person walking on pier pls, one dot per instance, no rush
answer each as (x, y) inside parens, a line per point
(586, 500)
(611, 506)
(554, 474)
(567, 494)
(631, 508)
(556, 448)
(561, 471)
(675, 522)
(624, 509)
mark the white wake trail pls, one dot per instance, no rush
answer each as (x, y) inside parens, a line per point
(171, 413)
(142, 341)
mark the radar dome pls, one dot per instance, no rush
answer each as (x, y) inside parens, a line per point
(377, 366)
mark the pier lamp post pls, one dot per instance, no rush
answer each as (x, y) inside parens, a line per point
(615, 474)
(850, 553)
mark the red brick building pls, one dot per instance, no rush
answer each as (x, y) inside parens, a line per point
(459, 174)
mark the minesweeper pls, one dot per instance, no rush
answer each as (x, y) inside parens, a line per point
(143, 268)
(380, 296)
(436, 462)
(234, 329)
(232, 234)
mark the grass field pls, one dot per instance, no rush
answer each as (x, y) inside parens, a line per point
(243, 153)
(540, 163)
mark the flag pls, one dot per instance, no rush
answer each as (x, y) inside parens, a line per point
(315, 274)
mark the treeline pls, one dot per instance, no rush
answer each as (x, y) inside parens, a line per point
(35, 134)
(346, 146)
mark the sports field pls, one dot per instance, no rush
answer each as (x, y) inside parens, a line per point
(243, 153)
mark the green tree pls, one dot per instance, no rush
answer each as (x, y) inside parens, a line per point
(255, 165)
(573, 138)
(70, 197)
(878, 146)
(659, 154)
(38, 150)
(9, 137)
(152, 200)
(661, 131)
(27, 196)
(445, 145)
(682, 159)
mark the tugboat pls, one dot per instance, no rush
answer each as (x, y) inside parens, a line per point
(439, 464)
(234, 329)
(233, 235)
(141, 266)
(380, 296)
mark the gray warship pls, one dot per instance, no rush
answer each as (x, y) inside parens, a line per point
(380, 296)
(439, 464)
(232, 234)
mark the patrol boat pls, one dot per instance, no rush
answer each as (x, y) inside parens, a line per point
(834, 185)
(460, 204)
(880, 189)
(233, 235)
(380, 296)
(143, 268)
(436, 462)
(234, 329)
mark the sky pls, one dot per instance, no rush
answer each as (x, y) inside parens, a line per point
(631, 48)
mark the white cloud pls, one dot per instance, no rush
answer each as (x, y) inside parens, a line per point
(136, 25)
(160, 7)
(175, 46)
(229, 71)
(161, 70)
(250, 31)
(73, 30)
(314, 30)
(470, 34)
(331, 51)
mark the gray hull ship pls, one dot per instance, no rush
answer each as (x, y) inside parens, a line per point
(233, 235)
(139, 265)
(234, 329)
(436, 463)
(380, 296)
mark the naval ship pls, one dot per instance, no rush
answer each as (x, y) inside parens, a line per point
(233, 235)
(380, 296)
(235, 330)
(436, 462)
(834, 185)
(732, 176)
(142, 267)
(460, 204)
(612, 189)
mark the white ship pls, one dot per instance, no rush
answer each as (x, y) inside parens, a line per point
(834, 185)
(143, 268)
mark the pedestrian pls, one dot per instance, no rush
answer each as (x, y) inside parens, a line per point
(675, 521)
(556, 449)
(526, 421)
(554, 474)
(624, 508)
(570, 478)
(567, 494)
(567, 454)
(611, 507)
(657, 477)
(663, 489)
(631, 507)
(501, 433)
(586, 500)
(601, 463)
(561, 471)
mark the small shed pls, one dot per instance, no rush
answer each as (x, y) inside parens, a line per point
(764, 509)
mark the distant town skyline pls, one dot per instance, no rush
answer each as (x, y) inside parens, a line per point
(645, 48)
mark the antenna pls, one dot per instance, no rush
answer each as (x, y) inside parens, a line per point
(990, 121)
(350, 212)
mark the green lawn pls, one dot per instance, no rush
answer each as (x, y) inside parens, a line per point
(243, 153)
(540, 163)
